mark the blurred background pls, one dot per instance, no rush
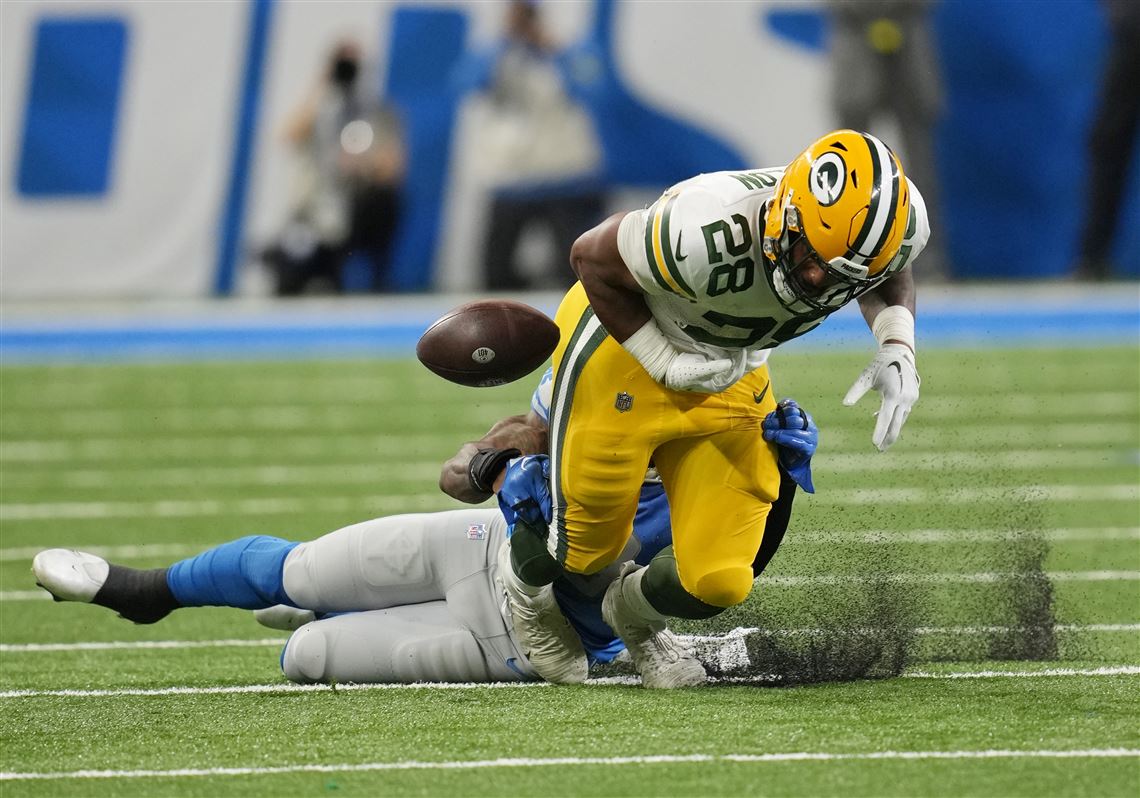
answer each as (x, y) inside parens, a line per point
(186, 149)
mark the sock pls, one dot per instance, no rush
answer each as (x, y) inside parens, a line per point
(245, 573)
(139, 596)
(634, 596)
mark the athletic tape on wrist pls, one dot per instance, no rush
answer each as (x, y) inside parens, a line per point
(894, 323)
(485, 466)
(651, 349)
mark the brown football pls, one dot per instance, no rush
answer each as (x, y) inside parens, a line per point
(488, 342)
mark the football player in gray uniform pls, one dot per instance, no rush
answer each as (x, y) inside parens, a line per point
(407, 598)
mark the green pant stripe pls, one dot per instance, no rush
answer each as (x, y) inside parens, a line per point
(577, 353)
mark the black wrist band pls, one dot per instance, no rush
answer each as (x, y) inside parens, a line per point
(486, 465)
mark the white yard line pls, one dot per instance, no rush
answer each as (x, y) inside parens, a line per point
(1113, 670)
(739, 632)
(420, 471)
(993, 438)
(984, 577)
(121, 645)
(288, 687)
(342, 410)
(119, 553)
(434, 501)
(612, 761)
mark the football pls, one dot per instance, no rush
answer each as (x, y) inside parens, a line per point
(488, 342)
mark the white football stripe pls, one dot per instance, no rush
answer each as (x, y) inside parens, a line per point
(770, 581)
(522, 762)
(435, 501)
(119, 553)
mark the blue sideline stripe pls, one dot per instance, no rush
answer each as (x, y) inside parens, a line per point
(249, 103)
(326, 336)
(72, 107)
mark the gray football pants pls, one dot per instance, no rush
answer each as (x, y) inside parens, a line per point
(419, 601)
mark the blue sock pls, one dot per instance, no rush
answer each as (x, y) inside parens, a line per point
(244, 573)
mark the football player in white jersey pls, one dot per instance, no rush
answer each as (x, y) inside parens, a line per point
(663, 358)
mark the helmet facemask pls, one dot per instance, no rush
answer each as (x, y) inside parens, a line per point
(803, 280)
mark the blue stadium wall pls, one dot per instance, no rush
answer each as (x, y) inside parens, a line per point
(1021, 89)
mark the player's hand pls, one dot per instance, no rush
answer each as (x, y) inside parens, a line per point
(690, 372)
(894, 375)
(796, 436)
(525, 492)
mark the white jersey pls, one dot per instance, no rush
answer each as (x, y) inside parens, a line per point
(696, 253)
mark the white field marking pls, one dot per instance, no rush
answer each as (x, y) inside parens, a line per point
(377, 473)
(1114, 670)
(146, 551)
(339, 417)
(984, 577)
(289, 687)
(165, 449)
(520, 762)
(951, 578)
(848, 439)
(115, 645)
(737, 633)
(420, 471)
(973, 495)
(744, 631)
(435, 501)
(976, 462)
(340, 414)
(183, 508)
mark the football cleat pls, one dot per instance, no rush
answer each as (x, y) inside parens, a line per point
(659, 657)
(70, 575)
(542, 632)
(284, 617)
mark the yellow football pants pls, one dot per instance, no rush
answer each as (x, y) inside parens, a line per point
(608, 418)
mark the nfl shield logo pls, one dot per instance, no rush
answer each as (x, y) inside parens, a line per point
(477, 532)
(623, 402)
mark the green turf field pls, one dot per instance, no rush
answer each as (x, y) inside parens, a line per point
(993, 556)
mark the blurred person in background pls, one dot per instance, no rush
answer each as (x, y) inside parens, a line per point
(886, 70)
(350, 158)
(539, 151)
(1112, 140)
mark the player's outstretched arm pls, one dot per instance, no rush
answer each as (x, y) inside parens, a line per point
(522, 434)
(889, 311)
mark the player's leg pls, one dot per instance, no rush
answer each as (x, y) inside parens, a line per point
(579, 539)
(243, 573)
(720, 489)
(373, 564)
(403, 559)
(417, 643)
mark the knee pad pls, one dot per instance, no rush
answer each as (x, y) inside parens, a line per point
(306, 655)
(725, 587)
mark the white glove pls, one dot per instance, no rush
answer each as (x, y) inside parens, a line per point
(681, 371)
(894, 375)
(689, 372)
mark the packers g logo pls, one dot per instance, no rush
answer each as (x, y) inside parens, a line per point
(828, 178)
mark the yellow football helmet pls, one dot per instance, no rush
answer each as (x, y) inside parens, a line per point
(846, 199)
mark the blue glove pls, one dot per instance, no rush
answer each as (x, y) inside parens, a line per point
(796, 437)
(526, 490)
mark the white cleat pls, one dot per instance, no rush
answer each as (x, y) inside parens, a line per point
(70, 575)
(545, 636)
(659, 657)
(284, 617)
